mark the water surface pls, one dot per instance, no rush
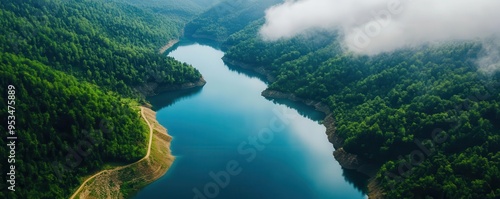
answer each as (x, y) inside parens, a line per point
(232, 143)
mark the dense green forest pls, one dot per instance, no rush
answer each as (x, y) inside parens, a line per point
(65, 128)
(180, 11)
(109, 44)
(427, 115)
(226, 18)
(77, 68)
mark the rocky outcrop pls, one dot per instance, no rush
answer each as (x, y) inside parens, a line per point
(354, 162)
(347, 160)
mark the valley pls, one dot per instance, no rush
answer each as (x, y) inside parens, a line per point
(259, 105)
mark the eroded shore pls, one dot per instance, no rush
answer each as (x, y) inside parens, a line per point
(123, 181)
(167, 46)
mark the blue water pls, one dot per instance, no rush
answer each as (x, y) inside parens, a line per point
(232, 143)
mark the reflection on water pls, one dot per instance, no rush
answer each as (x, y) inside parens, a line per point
(304, 110)
(247, 72)
(220, 122)
(169, 98)
(187, 42)
(359, 180)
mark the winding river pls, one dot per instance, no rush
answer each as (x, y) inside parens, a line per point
(232, 143)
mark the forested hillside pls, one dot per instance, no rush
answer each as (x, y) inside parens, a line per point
(180, 11)
(427, 115)
(72, 70)
(226, 18)
(66, 129)
(384, 104)
(110, 44)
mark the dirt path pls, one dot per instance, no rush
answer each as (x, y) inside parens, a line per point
(121, 167)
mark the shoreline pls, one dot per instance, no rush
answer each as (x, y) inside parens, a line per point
(167, 46)
(124, 181)
(200, 83)
(152, 89)
(345, 159)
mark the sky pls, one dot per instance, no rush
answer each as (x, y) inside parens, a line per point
(373, 26)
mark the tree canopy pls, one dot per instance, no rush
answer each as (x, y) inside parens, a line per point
(388, 106)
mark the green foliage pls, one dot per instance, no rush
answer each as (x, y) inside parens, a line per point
(72, 62)
(181, 11)
(110, 44)
(65, 128)
(226, 18)
(384, 105)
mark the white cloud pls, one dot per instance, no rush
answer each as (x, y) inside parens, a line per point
(374, 26)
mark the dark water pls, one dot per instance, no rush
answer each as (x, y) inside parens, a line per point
(232, 143)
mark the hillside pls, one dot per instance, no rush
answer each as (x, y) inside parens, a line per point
(180, 11)
(426, 117)
(76, 72)
(226, 18)
(117, 50)
(421, 122)
(66, 129)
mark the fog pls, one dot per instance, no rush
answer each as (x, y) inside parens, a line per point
(374, 26)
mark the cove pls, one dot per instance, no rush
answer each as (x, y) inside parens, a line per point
(230, 142)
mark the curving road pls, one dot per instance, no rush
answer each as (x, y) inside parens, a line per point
(121, 167)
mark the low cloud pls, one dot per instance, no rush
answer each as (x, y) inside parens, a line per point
(489, 58)
(374, 26)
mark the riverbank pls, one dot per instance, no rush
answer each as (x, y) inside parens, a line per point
(168, 46)
(345, 159)
(123, 181)
(153, 89)
(200, 83)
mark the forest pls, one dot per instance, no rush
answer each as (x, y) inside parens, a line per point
(427, 115)
(116, 50)
(226, 18)
(76, 68)
(66, 128)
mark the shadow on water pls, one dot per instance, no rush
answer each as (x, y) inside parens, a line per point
(247, 72)
(187, 42)
(304, 110)
(169, 98)
(207, 42)
(182, 42)
(357, 179)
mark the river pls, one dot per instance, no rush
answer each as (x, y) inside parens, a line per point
(232, 143)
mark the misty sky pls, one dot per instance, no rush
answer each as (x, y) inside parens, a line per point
(374, 26)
